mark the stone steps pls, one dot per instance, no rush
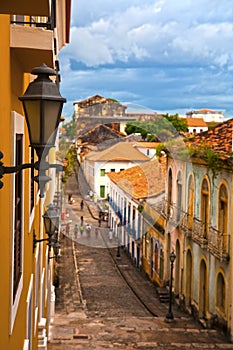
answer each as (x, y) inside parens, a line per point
(163, 295)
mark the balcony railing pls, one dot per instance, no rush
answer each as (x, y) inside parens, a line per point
(39, 22)
(205, 235)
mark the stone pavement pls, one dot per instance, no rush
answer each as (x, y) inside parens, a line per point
(72, 328)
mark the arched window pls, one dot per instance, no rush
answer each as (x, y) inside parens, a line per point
(205, 206)
(179, 196)
(190, 202)
(169, 194)
(222, 209)
(156, 254)
(221, 292)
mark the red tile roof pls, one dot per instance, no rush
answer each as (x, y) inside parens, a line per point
(141, 181)
(198, 122)
(219, 138)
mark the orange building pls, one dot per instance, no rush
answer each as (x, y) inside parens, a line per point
(32, 33)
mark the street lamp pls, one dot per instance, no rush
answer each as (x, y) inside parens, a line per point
(169, 315)
(51, 224)
(42, 104)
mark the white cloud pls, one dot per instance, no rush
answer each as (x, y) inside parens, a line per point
(169, 50)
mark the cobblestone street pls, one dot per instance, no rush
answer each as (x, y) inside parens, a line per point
(96, 309)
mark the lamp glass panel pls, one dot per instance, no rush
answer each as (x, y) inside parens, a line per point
(51, 221)
(47, 224)
(32, 112)
(51, 120)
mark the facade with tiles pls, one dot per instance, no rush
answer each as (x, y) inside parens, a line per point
(32, 33)
(193, 219)
(198, 211)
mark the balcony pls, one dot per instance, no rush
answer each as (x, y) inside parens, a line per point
(206, 236)
(25, 7)
(32, 43)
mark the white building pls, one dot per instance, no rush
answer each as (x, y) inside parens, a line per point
(147, 148)
(208, 115)
(120, 156)
(196, 125)
(130, 190)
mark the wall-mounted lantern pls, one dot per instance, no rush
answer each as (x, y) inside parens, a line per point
(42, 104)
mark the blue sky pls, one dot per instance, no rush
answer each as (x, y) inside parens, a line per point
(166, 56)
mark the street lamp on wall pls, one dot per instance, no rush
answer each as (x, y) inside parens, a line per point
(169, 315)
(51, 224)
(42, 104)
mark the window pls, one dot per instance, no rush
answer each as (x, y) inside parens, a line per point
(205, 196)
(161, 264)
(102, 172)
(179, 196)
(113, 170)
(169, 195)
(102, 191)
(17, 194)
(156, 257)
(190, 201)
(129, 213)
(18, 216)
(223, 214)
(221, 292)
(32, 195)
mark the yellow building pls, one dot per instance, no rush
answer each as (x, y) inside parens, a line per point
(32, 33)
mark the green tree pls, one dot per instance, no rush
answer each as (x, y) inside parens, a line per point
(160, 129)
(71, 128)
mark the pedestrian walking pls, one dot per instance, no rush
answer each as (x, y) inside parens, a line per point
(82, 205)
(110, 235)
(88, 230)
(99, 222)
(76, 231)
(96, 232)
(91, 194)
(68, 229)
(81, 219)
(81, 228)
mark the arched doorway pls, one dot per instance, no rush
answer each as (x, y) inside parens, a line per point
(189, 272)
(156, 258)
(168, 256)
(177, 268)
(190, 202)
(221, 293)
(205, 208)
(203, 289)
(151, 257)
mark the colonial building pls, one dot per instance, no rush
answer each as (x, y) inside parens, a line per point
(208, 115)
(32, 33)
(133, 197)
(97, 110)
(98, 106)
(198, 210)
(196, 125)
(95, 165)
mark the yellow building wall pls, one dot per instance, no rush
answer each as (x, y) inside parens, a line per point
(13, 84)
